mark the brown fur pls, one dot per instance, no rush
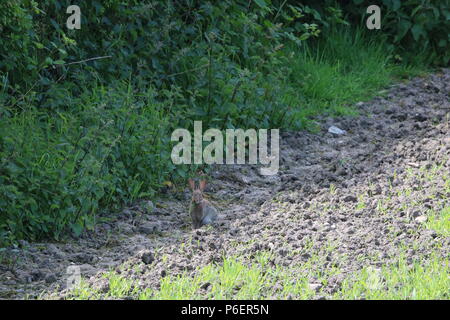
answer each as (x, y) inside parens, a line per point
(201, 210)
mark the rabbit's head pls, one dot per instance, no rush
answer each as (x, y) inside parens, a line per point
(197, 193)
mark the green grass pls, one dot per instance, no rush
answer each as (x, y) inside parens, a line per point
(344, 68)
(232, 279)
(430, 280)
(235, 279)
(242, 277)
(440, 222)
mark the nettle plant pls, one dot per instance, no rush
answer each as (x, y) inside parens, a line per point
(418, 26)
(243, 48)
(78, 138)
(420, 23)
(56, 173)
(169, 43)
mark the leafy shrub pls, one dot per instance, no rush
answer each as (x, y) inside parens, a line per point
(74, 138)
(17, 53)
(161, 42)
(422, 24)
(411, 26)
(56, 171)
(78, 134)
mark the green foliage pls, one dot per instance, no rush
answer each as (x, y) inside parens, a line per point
(238, 278)
(57, 170)
(332, 81)
(73, 140)
(411, 26)
(188, 44)
(440, 222)
(78, 134)
(413, 281)
(420, 24)
(17, 47)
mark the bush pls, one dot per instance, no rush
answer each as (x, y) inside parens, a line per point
(420, 25)
(75, 138)
(78, 134)
(167, 43)
(412, 26)
(57, 171)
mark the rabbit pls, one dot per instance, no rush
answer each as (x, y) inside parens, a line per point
(201, 210)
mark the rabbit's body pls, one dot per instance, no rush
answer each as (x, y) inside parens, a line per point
(201, 210)
(202, 213)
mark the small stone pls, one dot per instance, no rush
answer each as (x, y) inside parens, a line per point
(101, 285)
(147, 256)
(23, 243)
(205, 286)
(87, 269)
(50, 278)
(125, 228)
(53, 250)
(106, 227)
(350, 231)
(350, 199)
(421, 219)
(315, 286)
(335, 130)
(82, 258)
(148, 228)
(149, 207)
(415, 214)
(420, 117)
(413, 164)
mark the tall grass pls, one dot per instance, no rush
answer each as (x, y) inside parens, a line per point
(344, 67)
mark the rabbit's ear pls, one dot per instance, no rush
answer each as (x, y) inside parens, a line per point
(202, 185)
(192, 184)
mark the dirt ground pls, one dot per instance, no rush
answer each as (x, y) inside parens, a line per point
(368, 192)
